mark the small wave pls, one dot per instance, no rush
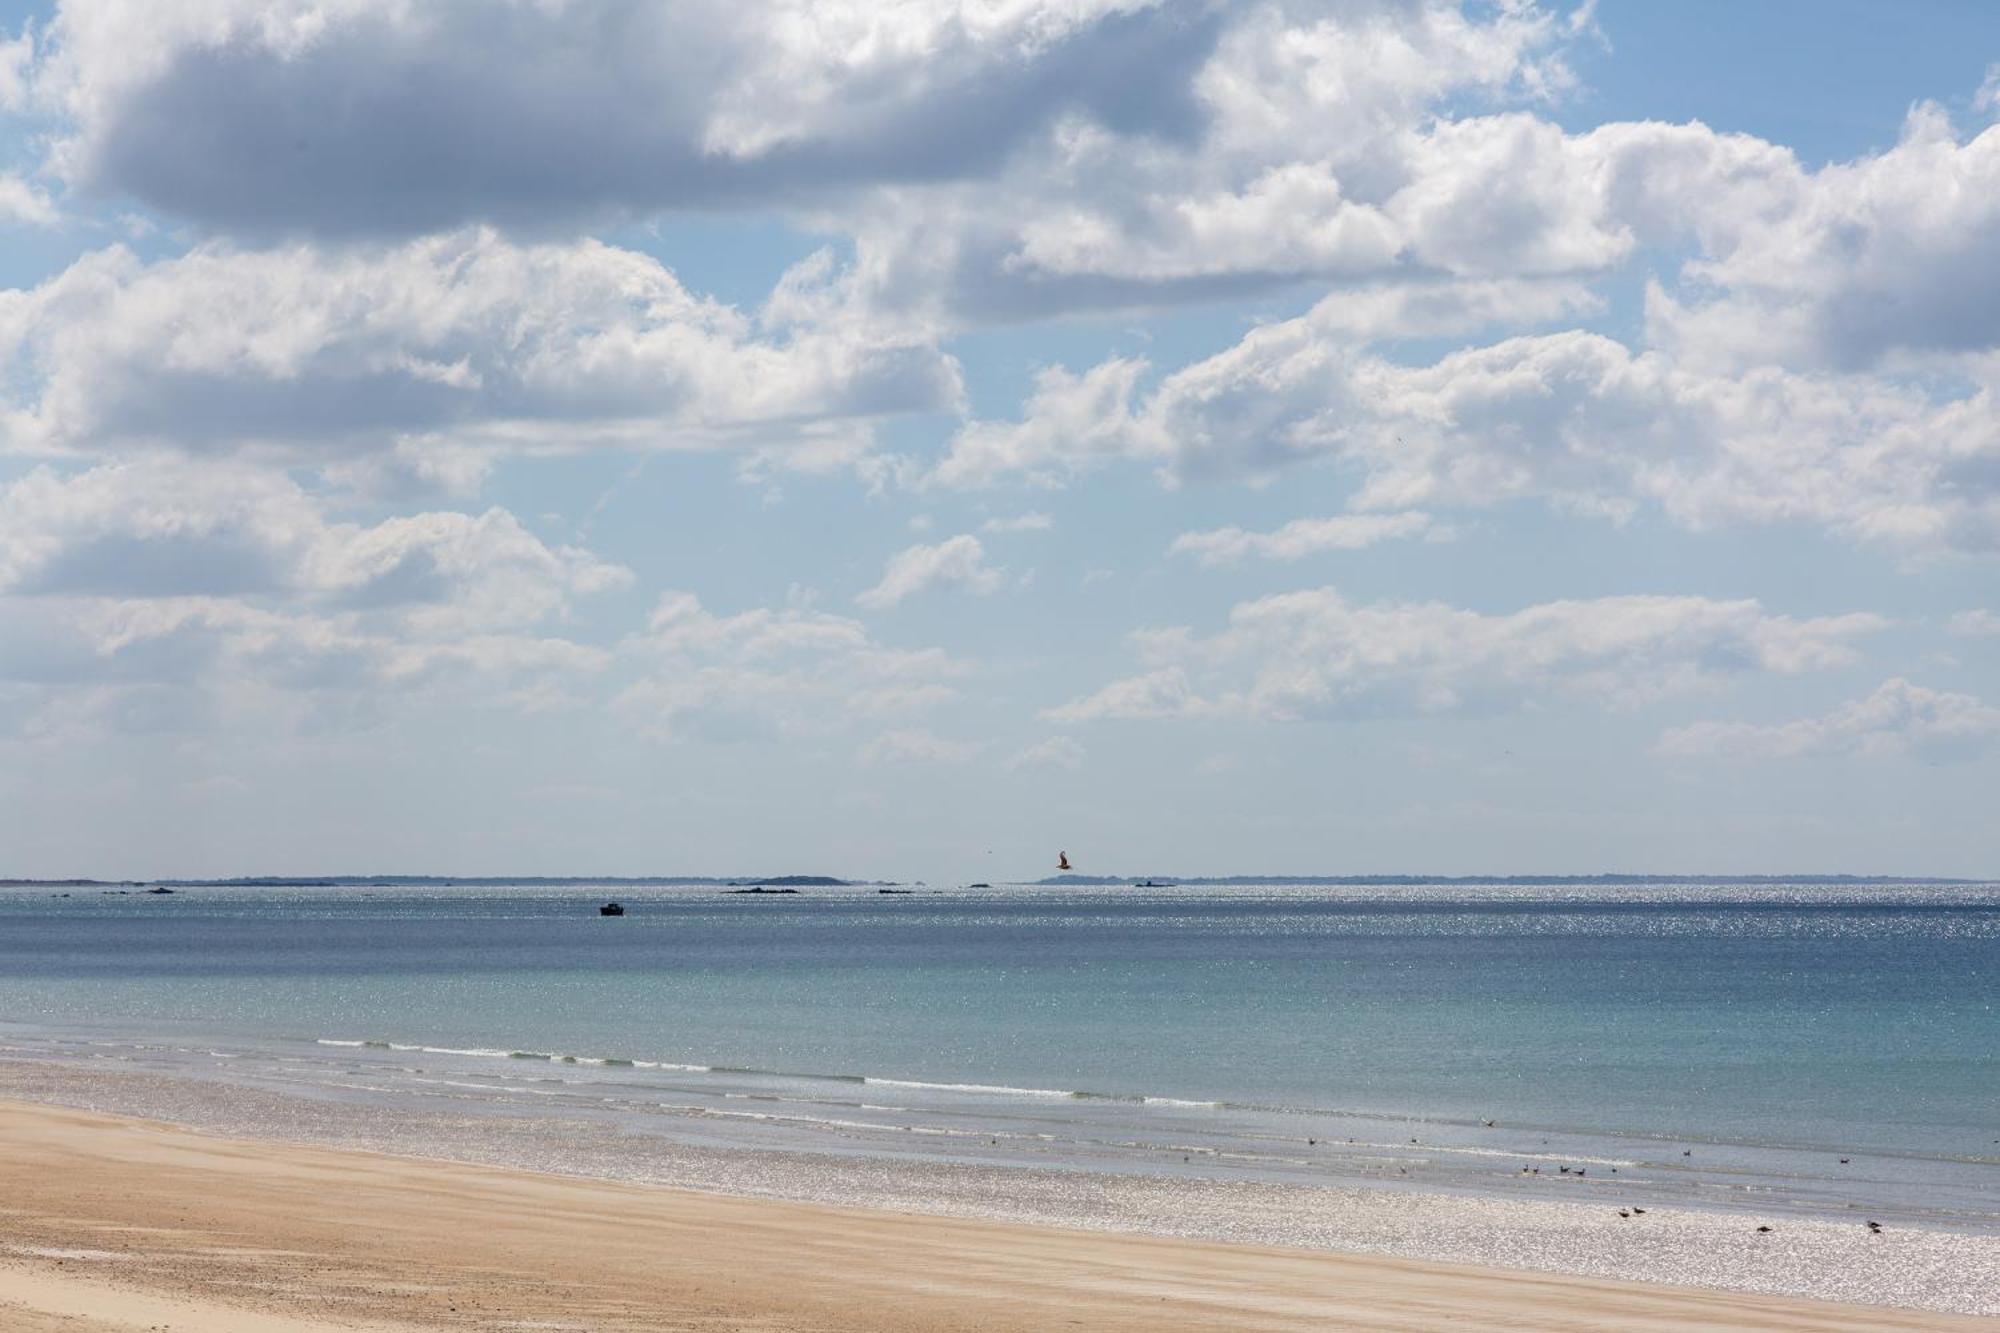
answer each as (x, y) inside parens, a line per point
(997, 1089)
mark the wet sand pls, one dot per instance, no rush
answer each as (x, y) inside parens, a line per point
(112, 1223)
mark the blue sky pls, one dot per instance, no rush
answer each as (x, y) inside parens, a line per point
(1319, 438)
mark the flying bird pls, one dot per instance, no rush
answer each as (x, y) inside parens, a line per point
(1062, 860)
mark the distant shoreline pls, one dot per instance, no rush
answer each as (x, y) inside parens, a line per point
(1053, 881)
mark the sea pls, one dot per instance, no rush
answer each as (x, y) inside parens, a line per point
(1794, 1053)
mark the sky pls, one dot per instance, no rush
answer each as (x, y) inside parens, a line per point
(906, 439)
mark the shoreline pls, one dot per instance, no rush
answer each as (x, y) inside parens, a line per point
(116, 1222)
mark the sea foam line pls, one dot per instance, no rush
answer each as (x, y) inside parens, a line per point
(927, 1085)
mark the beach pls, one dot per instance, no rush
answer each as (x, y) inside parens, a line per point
(114, 1223)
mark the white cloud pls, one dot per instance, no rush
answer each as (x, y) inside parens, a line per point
(1895, 255)
(21, 202)
(1312, 654)
(1302, 537)
(786, 671)
(1029, 522)
(1898, 718)
(180, 529)
(1573, 418)
(173, 593)
(957, 562)
(1979, 623)
(450, 341)
(372, 116)
(1309, 126)
(201, 664)
(1988, 96)
(917, 747)
(1055, 752)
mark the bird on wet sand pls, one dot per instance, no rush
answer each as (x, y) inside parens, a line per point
(1763, 1228)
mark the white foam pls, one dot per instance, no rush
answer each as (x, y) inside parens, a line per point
(995, 1089)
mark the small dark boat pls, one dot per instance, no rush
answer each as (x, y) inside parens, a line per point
(611, 909)
(760, 889)
(160, 889)
(1148, 884)
(981, 885)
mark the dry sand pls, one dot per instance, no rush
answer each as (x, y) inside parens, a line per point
(113, 1223)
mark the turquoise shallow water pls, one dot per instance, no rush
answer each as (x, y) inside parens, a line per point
(1722, 1043)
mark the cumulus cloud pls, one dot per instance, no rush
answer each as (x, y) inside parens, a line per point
(169, 593)
(1137, 151)
(1313, 654)
(1573, 418)
(454, 341)
(21, 202)
(1055, 752)
(174, 529)
(1898, 718)
(785, 671)
(1889, 257)
(373, 116)
(1302, 537)
(958, 562)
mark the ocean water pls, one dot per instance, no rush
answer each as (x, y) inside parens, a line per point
(1722, 1047)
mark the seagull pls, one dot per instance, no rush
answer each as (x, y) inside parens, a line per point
(1487, 1123)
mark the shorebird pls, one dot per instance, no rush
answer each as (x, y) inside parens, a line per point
(1623, 1213)
(1638, 1210)
(1763, 1228)
(1843, 1161)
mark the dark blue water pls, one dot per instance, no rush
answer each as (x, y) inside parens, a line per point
(1794, 1019)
